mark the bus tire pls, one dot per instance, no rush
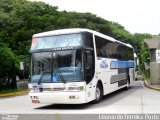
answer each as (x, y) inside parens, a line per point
(128, 84)
(98, 93)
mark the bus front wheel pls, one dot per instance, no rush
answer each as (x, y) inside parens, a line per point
(98, 94)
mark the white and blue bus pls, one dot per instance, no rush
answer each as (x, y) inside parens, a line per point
(75, 66)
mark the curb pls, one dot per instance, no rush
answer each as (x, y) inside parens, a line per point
(150, 87)
(13, 94)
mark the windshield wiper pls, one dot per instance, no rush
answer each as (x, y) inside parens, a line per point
(61, 76)
(43, 73)
(59, 73)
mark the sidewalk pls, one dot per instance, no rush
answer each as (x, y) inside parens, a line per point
(154, 87)
(13, 94)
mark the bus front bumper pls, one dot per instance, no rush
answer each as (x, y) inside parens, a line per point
(58, 97)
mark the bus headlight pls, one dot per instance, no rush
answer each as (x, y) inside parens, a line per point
(76, 88)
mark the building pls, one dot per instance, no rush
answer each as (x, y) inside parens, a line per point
(153, 45)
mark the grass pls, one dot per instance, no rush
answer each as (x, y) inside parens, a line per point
(10, 91)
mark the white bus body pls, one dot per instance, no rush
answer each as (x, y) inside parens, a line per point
(104, 68)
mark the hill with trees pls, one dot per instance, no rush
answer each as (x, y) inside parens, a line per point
(20, 19)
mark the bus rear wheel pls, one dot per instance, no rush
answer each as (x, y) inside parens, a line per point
(128, 84)
(98, 94)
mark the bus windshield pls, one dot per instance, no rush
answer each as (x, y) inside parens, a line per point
(57, 66)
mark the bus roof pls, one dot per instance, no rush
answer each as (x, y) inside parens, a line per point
(78, 30)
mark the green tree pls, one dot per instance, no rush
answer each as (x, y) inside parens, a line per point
(141, 49)
(7, 61)
(20, 19)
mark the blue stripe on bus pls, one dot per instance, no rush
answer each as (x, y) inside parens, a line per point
(122, 64)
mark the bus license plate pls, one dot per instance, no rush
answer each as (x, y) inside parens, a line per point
(35, 101)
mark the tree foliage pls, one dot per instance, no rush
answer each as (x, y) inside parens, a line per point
(20, 19)
(7, 60)
(142, 49)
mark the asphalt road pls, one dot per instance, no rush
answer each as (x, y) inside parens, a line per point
(137, 100)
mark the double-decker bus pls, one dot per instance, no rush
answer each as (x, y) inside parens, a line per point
(75, 66)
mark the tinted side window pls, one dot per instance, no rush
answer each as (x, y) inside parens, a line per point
(124, 53)
(88, 39)
(115, 50)
(130, 54)
(105, 48)
(102, 47)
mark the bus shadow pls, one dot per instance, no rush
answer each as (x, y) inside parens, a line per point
(107, 100)
(64, 106)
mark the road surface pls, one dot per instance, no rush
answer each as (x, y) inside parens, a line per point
(137, 100)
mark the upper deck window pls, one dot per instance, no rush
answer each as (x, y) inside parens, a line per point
(57, 41)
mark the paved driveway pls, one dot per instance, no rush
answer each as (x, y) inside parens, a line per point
(138, 99)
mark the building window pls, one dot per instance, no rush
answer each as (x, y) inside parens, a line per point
(152, 55)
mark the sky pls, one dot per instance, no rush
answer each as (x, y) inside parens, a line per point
(137, 16)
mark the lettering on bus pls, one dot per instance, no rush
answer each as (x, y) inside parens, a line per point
(122, 64)
(103, 64)
(63, 48)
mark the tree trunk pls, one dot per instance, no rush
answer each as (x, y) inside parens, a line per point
(13, 81)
